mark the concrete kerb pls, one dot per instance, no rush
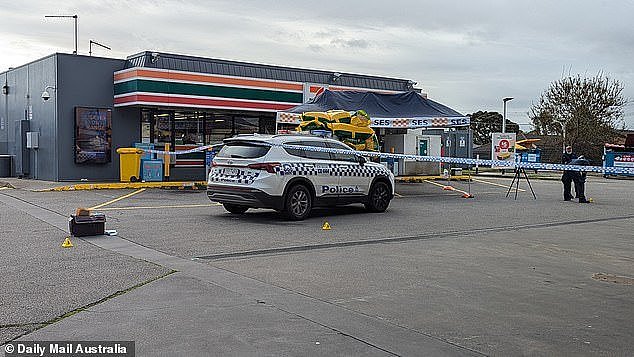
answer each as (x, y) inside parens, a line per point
(175, 185)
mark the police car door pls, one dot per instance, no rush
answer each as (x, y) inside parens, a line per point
(317, 167)
(352, 180)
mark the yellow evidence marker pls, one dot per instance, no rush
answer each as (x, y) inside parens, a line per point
(326, 226)
(67, 243)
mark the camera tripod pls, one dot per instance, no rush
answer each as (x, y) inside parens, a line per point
(516, 181)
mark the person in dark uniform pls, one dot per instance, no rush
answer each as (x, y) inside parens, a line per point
(579, 178)
(566, 178)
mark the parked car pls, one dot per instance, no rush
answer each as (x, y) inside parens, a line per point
(258, 171)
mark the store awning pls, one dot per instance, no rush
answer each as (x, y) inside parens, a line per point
(400, 110)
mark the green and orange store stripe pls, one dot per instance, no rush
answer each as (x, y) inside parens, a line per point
(184, 89)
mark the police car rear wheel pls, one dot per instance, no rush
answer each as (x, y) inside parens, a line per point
(298, 202)
(379, 198)
(237, 209)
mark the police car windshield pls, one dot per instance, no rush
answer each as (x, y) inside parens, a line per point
(243, 150)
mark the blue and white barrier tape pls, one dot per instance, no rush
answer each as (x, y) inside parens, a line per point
(451, 160)
(200, 148)
(466, 161)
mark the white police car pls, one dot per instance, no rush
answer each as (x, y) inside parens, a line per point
(256, 171)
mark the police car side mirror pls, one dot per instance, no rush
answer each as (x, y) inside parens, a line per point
(362, 160)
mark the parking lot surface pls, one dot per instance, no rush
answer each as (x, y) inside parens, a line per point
(437, 274)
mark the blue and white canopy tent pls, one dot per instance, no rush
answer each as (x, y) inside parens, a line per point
(400, 110)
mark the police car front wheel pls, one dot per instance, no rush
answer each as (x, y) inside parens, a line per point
(379, 197)
(298, 202)
(237, 209)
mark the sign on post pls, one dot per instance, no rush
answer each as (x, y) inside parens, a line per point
(503, 147)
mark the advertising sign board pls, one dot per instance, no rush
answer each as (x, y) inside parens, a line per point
(503, 146)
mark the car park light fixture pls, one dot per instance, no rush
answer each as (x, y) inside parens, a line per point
(504, 100)
(70, 17)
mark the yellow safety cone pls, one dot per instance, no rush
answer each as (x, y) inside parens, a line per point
(67, 243)
(326, 226)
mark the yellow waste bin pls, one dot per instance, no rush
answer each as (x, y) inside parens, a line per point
(129, 164)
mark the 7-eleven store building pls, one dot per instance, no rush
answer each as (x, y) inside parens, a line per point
(184, 102)
(156, 99)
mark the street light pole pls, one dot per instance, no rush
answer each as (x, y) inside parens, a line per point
(98, 44)
(75, 17)
(69, 17)
(504, 100)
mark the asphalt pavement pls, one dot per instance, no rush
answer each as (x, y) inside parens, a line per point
(437, 274)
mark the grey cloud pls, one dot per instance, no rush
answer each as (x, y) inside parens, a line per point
(353, 43)
(465, 54)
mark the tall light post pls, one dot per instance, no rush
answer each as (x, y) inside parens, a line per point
(71, 17)
(504, 100)
(98, 44)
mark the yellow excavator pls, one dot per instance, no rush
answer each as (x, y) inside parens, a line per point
(351, 128)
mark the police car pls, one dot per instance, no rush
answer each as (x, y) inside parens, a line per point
(257, 171)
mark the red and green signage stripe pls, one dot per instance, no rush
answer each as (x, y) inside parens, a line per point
(174, 100)
(205, 78)
(204, 90)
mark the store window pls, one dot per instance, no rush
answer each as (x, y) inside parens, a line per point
(188, 128)
(246, 125)
(217, 128)
(162, 128)
(195, 128)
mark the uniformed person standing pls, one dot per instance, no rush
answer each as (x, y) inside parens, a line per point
(566, 178)
(579, 178)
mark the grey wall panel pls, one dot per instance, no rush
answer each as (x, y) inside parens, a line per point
(88, 82)
(4, 120)
(42, 73)
(17, 100)
(23, 101)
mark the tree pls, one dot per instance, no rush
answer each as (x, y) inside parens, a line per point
(485, 123)
(586, 112)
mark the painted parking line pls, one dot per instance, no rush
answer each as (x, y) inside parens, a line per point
(397, 194)
(117, 199)
(160, 207)
(496, 184)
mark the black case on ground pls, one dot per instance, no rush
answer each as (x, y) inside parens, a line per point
(82, 226)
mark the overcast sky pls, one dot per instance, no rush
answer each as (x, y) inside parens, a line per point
(465, 54)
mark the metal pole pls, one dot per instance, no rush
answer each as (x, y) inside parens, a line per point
(504, 100)
(75, 17)
(504, 118)
(98, 44)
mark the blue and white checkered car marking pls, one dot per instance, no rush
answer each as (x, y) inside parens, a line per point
(349, 170)
(243, 177)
